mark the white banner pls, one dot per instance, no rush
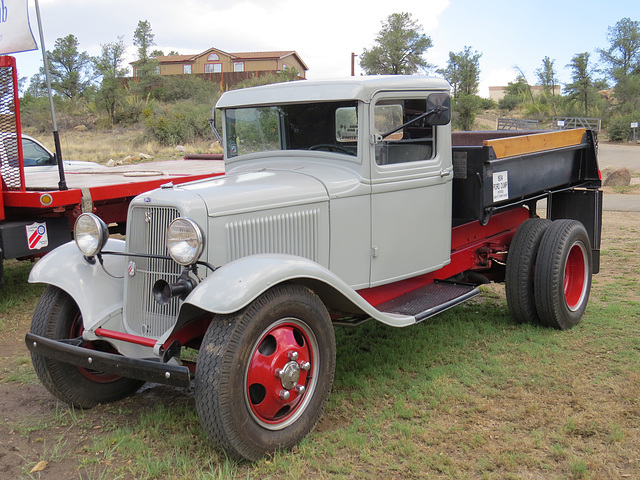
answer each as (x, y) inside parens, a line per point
(15, 31)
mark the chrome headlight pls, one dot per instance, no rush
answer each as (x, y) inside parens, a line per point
(185, 241)
(91, 234)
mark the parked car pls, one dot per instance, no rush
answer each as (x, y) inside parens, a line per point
(39, 158)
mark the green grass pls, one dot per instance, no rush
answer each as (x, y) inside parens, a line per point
(17, 297)
(468, 394)
(406, 402)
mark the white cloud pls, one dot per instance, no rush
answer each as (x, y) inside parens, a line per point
(495, 77)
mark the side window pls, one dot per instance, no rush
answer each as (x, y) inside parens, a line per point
(402, 132)
(34, 154)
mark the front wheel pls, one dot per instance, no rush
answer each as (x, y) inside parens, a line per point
(563, 274)
(264, 374)
(57, 317)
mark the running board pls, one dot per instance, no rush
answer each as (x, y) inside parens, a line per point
(427, 301)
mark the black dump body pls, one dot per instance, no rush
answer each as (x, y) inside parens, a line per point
(489, 178)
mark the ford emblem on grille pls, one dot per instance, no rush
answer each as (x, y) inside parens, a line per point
(132, 268)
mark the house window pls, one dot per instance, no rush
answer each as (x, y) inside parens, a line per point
(213, 56)
(238, 66)
(212, 67)
(186, 69)
(136, 72)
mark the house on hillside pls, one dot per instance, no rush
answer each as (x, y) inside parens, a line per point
(228, 68)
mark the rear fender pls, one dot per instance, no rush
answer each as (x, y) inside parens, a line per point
(96, 293)
(236, 284)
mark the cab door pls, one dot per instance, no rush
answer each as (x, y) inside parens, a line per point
(411, 176)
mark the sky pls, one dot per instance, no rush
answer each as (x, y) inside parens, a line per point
(508, 33)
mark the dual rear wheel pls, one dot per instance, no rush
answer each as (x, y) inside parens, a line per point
(548, 275)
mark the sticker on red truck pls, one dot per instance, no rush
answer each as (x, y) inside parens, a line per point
(37, 237)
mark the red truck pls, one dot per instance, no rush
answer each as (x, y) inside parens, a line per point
(36, 216)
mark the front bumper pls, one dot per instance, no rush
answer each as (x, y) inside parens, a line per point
(69, 351)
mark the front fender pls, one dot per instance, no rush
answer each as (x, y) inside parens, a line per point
(236, 284)
(96, 293)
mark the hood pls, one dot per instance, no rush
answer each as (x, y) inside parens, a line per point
(263, 189)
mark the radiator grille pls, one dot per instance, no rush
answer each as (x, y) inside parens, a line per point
(10, 166)
(147, 230)
(294, 233)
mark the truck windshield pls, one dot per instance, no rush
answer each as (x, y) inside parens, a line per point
(330, 127)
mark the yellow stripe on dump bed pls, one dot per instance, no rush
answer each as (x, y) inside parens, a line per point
(512, 146)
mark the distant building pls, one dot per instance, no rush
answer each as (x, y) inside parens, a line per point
(498, 93)
(214, 65)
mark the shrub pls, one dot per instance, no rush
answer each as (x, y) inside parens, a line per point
(619, 129)
(175, 88)
(182, 122)
(509, 102)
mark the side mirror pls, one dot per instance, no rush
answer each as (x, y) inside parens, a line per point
(439, 106)
(212, 124)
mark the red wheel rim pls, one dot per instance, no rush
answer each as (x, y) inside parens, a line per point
(281, 374)
(97, 377)
(575, 276)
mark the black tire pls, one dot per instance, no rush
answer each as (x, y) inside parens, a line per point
(563, 274)
(238, 390)
(57, 317)
(519, 276)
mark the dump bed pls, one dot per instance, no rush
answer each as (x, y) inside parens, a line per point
(498, 172)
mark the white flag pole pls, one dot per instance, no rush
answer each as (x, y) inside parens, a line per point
(62, 184)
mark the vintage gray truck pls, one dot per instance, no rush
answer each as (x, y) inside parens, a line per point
(343, 201)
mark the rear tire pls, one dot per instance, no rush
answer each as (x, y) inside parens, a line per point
(57, 317)
(519, 277)
(563, 274)
(264, 374)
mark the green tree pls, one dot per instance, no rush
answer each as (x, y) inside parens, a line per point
(463, 73)
(71, 72)
(398, 49)
(547, 76)
(143, 38)
(623, 54)
(623, 61)
(37, 85)
(110, 66)
(582, 89)
(145, 67)
(110, 62)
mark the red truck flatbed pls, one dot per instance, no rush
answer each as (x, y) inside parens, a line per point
(36, 216)
(109, 183)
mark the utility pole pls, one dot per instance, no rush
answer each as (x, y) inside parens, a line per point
(353, 64)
